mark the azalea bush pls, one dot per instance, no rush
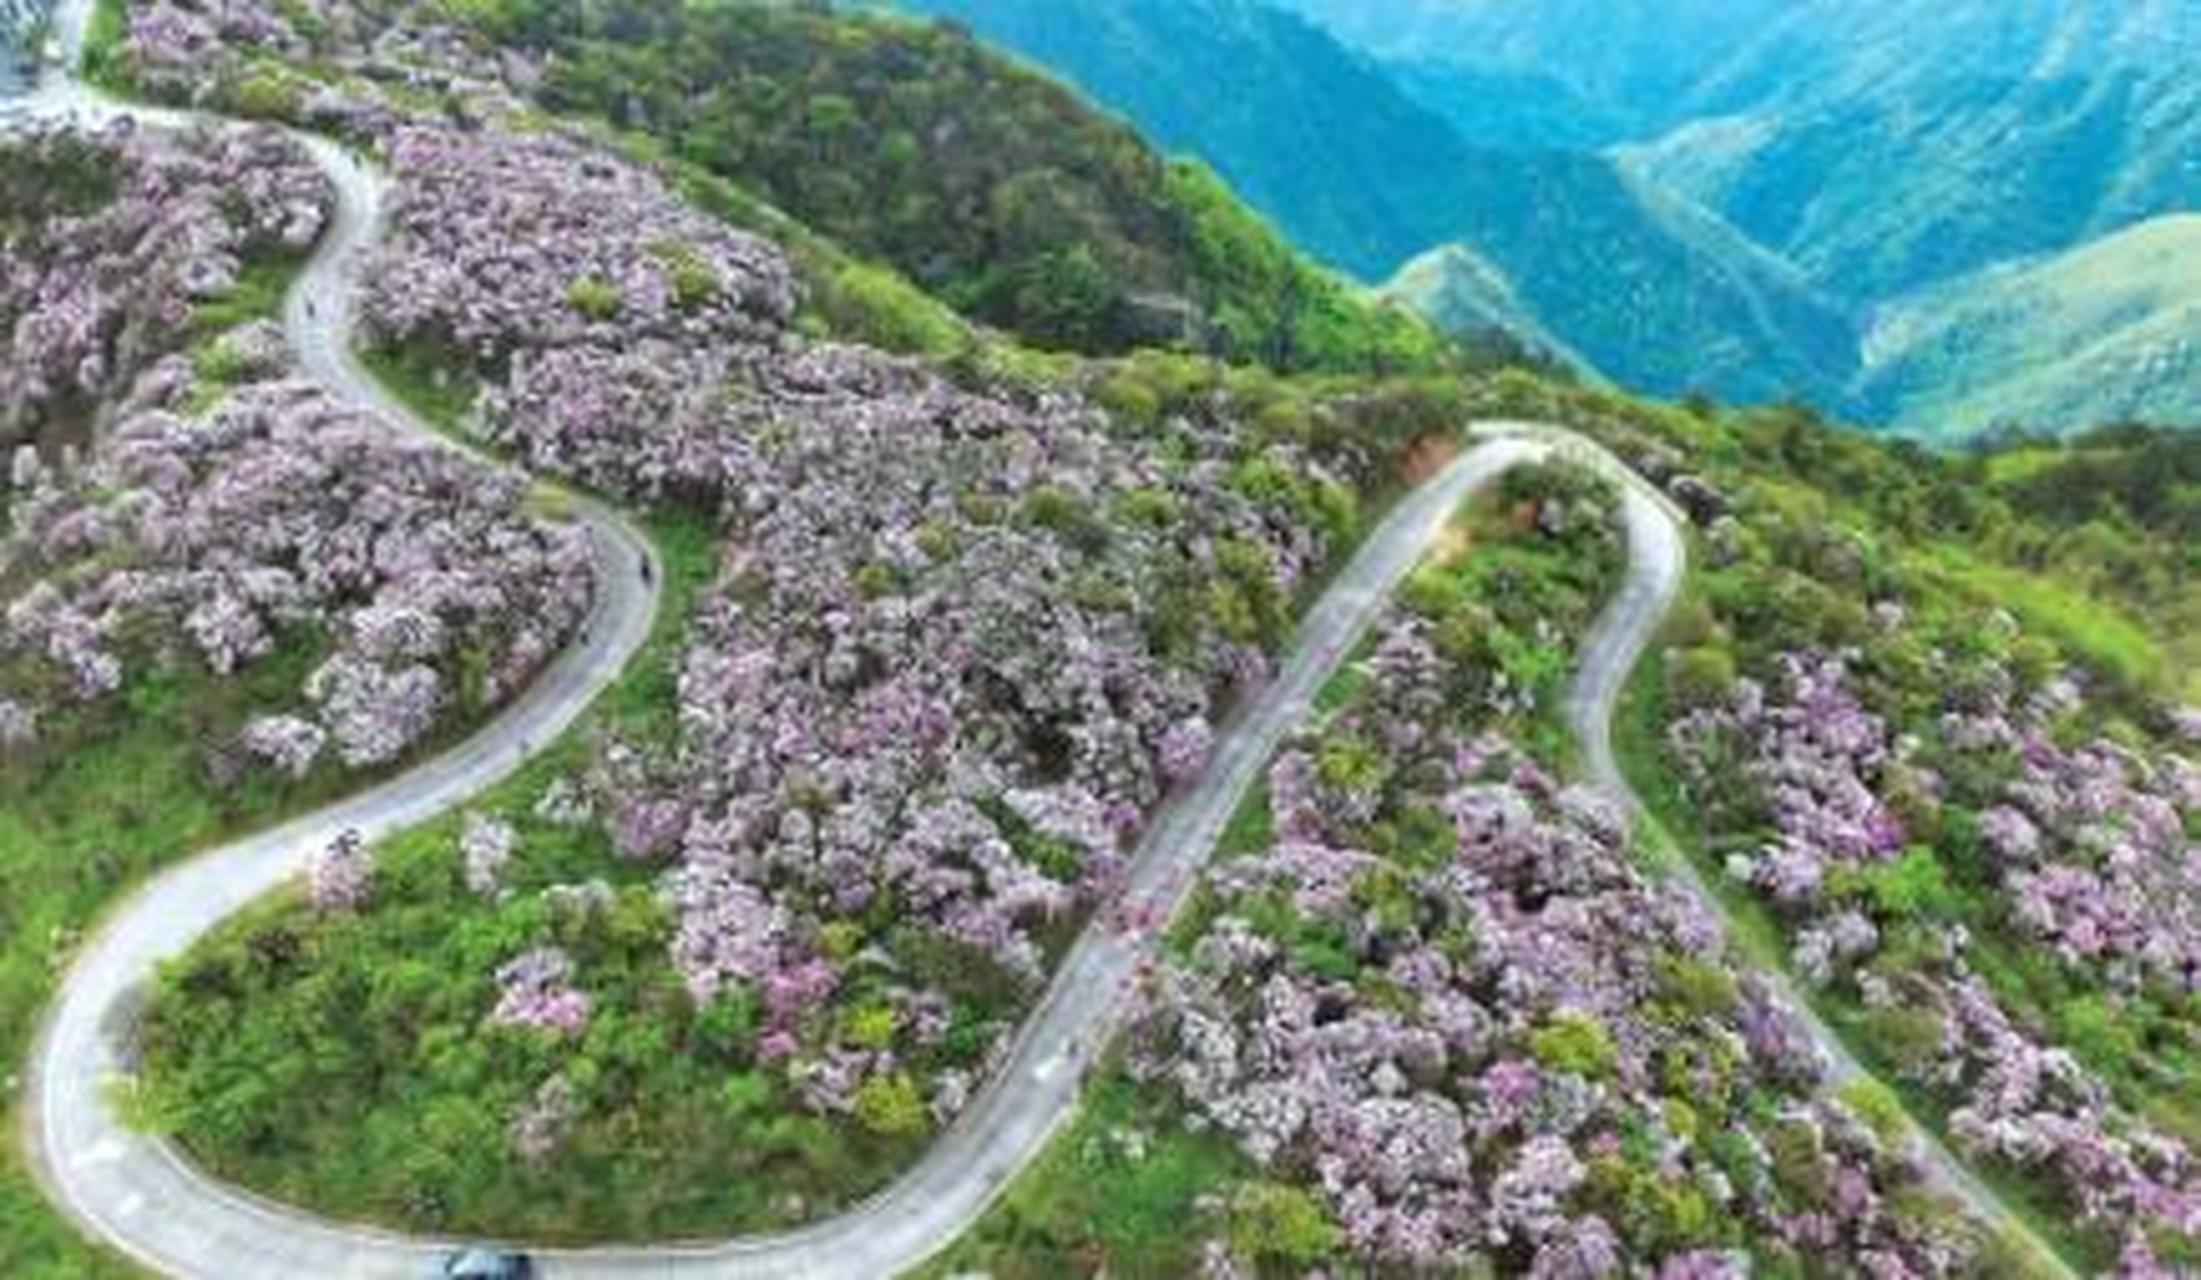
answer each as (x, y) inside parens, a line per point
(1971, 851)
(117, 240)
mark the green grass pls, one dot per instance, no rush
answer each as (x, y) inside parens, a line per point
(1087, 1206)
(2094, 631)
(104, 32)
(257, 295)
(422, 379)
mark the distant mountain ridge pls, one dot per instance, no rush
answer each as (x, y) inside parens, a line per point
(1729, 196)
(1360, 172)
(1904, 156)
(2110, 331)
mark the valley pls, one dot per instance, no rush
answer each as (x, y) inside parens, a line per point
(1733, 212)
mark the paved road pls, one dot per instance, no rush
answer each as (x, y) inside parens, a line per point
(1609, 656)
(139, 1195)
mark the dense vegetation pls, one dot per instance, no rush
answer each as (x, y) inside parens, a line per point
(1428, 1015)
(991, 186)
(757, 925)
(1645, 288)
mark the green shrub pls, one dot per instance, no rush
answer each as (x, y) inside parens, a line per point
(1699, 678)
(1284, 1224)
(1879, 1108)
(876, 305)
(266, 97)
(1577, 1044)
(595, 299)
(890, 1106)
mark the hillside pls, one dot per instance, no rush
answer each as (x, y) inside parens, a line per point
(1507, 110)
(1657, 295)
(1637, 64)
(1882, 147)
(1463, 293)
(2109, 331)
(1914, 141)
(987, 184)
(966, 659)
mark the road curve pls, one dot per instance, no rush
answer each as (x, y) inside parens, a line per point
(133, 1192)
(139, 1195)
(1608, 658)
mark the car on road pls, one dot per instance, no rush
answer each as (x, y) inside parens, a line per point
(486, 1264)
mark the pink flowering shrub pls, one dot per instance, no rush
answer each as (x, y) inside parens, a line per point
(123, 233)
(2026, 837)
(535, 991)
(285, 518)
(1443, 996)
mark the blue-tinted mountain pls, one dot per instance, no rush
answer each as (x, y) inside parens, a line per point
(1331, 144)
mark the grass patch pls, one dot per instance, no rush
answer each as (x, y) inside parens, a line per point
(2095, 632)
(257, 295)
(105, 30)
(1117, 1192)
(424, 381)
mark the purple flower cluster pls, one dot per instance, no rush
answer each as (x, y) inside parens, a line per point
(341, 875)
(89, 297)
(2088, 849)
(1475, 1045)
(283, 516)
(536, 991)
(2093, 843)
(1817, 757)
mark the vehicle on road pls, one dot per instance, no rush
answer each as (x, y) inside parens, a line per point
(486, 1264)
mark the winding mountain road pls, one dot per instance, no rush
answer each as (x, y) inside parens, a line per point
(138, 1194)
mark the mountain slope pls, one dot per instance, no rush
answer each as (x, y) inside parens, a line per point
(1881, 146)
(2003, 150)
(1462, 292)
(1655, 294)
(1637, 62)
(1311, 134)
(987, 184)
(2111, 331)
